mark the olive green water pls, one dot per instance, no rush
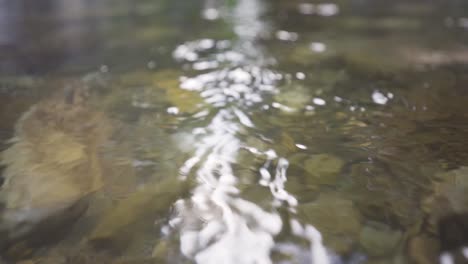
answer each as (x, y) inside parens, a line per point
(224, 131)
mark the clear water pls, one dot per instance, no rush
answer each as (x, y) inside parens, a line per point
(243, 131)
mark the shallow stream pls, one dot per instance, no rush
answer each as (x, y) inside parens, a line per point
(235, 131)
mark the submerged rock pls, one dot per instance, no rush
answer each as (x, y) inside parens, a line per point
(379, 239)
(293, 98)
(114, 231)
(323, 169)
(143, 91)
(335, 217)
(51, 167)
(423, 249)
(186, 101)
(450, 196)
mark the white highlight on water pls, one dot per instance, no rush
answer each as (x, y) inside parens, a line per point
(216, 224)
(317, 47)
(232, 230)
(380, 98)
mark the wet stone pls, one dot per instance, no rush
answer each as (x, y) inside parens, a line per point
(423, 249)
(301, 191)
(119, 224)
(378, 239)
(160, 251)
(51, 168)
(323, 169)
(143, 91)
(293, 98)
(454, 186)
(335, 217)
(303, 55)
(449, 195)
(185, 101)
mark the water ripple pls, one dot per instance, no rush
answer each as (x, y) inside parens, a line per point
(216, 225)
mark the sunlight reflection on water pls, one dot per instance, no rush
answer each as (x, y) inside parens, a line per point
(216, 224)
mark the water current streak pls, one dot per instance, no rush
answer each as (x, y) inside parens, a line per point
(216, 224)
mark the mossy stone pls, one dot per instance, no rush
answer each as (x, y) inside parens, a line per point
(294, 97)
(336, 218)
(379, 239)
(114, 230)
(423, 249)
(323, 169)
(52, 167)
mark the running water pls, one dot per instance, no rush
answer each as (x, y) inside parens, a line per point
(216, 224)
(252, 120)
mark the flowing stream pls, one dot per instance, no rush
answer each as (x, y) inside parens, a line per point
(217, 225)
(233, 131)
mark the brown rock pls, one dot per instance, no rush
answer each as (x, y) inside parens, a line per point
(51, 166)
(423, 249)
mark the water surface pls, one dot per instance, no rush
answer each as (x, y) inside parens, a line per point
(246, 131)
